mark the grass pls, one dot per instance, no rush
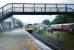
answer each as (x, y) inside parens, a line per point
(65, 39)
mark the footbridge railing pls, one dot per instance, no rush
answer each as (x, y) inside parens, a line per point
(35, 8)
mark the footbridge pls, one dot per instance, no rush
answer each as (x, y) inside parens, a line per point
(35, 9)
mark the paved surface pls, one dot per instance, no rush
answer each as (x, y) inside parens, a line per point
(20, 40)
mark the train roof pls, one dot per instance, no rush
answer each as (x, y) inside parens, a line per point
(64, 24)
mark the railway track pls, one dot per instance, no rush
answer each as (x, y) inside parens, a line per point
(49, 44)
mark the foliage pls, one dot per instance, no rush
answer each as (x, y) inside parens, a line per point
(18, 22)
(62, 19)
(47, 22)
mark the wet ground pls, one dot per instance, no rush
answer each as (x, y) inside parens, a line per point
(17, 40)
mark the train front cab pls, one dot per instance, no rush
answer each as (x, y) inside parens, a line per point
(29, 28)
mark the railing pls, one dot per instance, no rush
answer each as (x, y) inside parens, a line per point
(35, 7)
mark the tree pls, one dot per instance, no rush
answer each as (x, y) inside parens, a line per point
(62, 19)
(18, 22)
(47, 22)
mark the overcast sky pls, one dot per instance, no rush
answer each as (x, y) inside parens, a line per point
(36, 18)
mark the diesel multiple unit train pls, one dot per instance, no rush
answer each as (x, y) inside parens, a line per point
(29, 28)
(62, 27)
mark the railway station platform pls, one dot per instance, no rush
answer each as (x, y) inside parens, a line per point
(19, 39)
